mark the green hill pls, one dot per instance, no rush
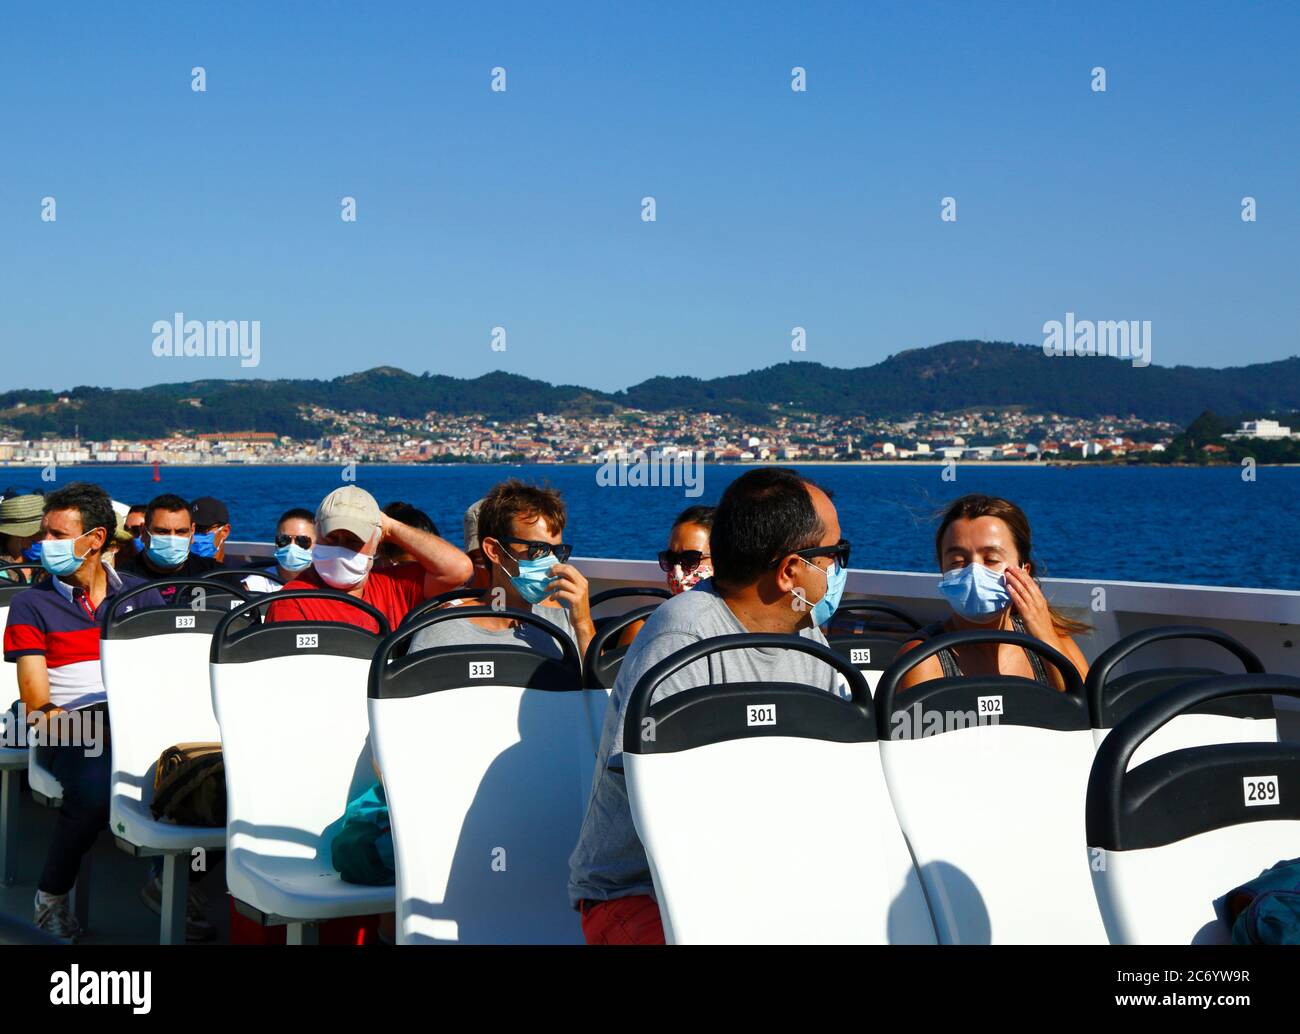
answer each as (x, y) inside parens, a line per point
(951, 376)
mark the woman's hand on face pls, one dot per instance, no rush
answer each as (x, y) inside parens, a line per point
(1030, 604)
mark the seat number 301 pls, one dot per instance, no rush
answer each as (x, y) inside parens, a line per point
(760, 714)
(1259, 790)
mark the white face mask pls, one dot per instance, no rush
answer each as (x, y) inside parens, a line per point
(340, 568)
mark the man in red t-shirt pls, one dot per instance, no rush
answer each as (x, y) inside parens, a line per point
(349, 528)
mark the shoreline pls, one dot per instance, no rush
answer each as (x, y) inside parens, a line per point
(937, 464)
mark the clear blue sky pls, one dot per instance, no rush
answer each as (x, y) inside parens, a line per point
(522, 209)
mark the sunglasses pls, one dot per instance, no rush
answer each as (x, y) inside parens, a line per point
(537, 550)
(303, 541)
(688, 560)
(840, 551)
(135, 532)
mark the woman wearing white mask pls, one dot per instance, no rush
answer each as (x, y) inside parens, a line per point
(984, 549)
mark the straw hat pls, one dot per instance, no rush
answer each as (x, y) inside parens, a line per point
(20, 515)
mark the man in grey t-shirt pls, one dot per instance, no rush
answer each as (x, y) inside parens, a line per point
(468, 632)
(777, 554)
(518, 528)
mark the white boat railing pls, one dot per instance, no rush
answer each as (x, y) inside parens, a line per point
(1266, 620)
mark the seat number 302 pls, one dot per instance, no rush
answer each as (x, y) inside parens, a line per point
(760, 714)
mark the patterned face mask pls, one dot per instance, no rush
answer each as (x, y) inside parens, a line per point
(679, 582)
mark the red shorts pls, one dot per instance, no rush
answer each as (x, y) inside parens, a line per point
(630, 920)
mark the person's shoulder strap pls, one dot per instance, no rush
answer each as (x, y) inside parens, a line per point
(1035, 661)
(947, 659)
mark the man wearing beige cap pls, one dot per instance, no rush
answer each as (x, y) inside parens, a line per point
(349, 528)
(20, 528)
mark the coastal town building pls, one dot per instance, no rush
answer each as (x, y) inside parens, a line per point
(345, 436)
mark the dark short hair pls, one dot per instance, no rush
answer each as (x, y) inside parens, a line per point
(409, 513)
(514, 499)
(698, 514)
(167, 502)
(297, 513)
(90, 501)
(137, 508)
(764, 515)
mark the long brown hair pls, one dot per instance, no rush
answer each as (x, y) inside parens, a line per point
(969, 507)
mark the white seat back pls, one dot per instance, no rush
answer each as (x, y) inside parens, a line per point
(1176, 833)
(487, 763)
(988, 777)
(1113, 697)
(290, 700)
(744, 792)
(155, 669)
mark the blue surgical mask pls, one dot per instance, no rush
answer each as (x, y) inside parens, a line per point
(292, 557)
(59, 557)
(138, 543)
(168, 550)
(32, 554)
(975, 592)
(204, 543)
(825, 607)
(533, 578)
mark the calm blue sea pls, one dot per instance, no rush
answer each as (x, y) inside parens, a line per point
(1204, 525)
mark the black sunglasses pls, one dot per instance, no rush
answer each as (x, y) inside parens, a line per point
(687, 559)
(135, 532)
(304, 541)
(537, 550)
(840, 551)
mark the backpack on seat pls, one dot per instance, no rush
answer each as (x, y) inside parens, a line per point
(362, 850)
(1267, 909)
(189, 785)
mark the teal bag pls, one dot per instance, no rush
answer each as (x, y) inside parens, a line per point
(1268, 907)
(362, 850)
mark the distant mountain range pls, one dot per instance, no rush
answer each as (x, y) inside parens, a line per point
(952, 376)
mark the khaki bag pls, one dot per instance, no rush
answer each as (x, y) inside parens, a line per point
(190, 785)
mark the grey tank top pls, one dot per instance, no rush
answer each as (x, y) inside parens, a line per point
(948, 660)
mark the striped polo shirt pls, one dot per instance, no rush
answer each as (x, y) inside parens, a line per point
(56, 620)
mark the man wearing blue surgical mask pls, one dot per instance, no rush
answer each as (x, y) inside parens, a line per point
(779, 563)
(211, 528)
(134, 524)
(167, 536)
(519, 529)
(52, 637)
